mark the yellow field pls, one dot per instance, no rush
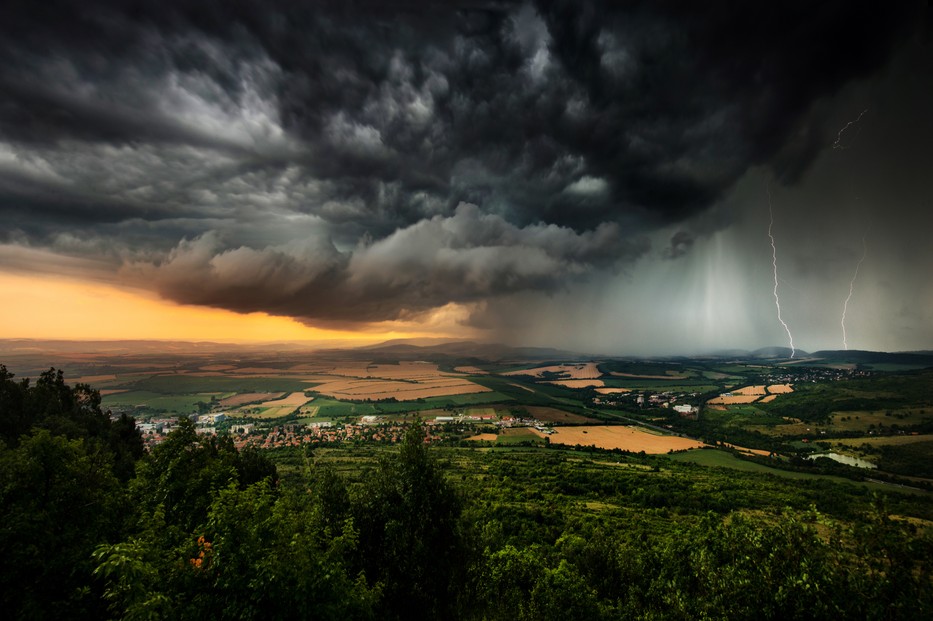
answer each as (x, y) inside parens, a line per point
(217, 367)
(405, 381)
(752, 394)
(742, 449)
(483, 437)
(277, 412)
(625, 438)
(583, 383)
(471, 370)
(583, 370)
(612, 391)
(374, 389)
(249, 397)
(294, 400)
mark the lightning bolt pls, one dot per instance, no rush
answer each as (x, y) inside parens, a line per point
(777, 300)
(845, 306)
(838, 144)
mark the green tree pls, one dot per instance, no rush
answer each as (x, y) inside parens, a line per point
(58, 500)
(410, 539)
(184, 473)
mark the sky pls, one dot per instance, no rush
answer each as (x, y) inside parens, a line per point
(596, 176)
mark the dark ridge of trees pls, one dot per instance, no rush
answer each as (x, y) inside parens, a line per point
(196, 529)
(72, 412)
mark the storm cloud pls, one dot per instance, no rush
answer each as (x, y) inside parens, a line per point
(464, 258)
(356, 162)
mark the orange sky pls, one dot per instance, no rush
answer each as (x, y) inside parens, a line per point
(52, 307)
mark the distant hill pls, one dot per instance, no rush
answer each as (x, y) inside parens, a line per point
(438, 350)
(441, 349)
(856, 356)
(778, 352)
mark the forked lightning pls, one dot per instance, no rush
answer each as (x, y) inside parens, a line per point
(777, 300)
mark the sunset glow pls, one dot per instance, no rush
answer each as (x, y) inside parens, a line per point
(48, 307)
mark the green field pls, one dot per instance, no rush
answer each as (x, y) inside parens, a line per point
(178, 404)
(723, 459)
(865, 420)
(518, 435)
(186, 384)
(331, 408)
(441, 402)
(659, 385)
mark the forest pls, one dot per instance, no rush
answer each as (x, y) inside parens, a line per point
(96, 527)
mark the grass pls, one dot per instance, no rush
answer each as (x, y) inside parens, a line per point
(331, 408)
(678, 385)
(429, 403)
(307, 420)
(721, 459)
(481, 412)
(884, 440)
(279, 411)
(864, 420)
(861, 421)
(518, 435)
(186, 384)
(179, 404)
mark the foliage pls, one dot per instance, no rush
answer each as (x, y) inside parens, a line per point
(409, 536)
(197, 529)
(58, 499)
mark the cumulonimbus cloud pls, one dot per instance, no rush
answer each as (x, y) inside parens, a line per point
(466, 257)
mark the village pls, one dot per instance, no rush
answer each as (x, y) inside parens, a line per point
(369, 429)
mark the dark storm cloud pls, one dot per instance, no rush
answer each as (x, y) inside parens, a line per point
(681, 243)
(467, 257)
(242, 150)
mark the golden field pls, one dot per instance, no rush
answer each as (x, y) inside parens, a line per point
(583, 370)
(621, 437)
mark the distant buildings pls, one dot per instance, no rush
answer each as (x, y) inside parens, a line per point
(686, 411)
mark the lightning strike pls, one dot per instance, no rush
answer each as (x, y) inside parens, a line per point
(845, 306)
(838, 144)
(777, 300)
